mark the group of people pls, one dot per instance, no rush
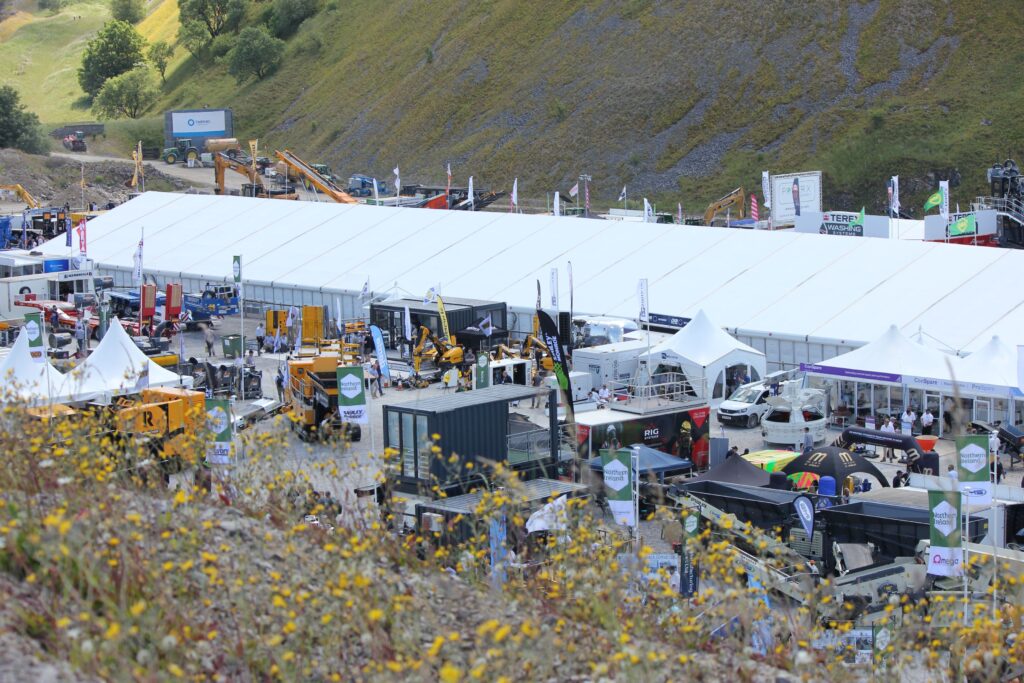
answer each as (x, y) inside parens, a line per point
(600, 396)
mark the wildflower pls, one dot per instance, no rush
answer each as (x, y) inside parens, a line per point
(112, 631)
(450, 673)
(376, 614)
(138, 608)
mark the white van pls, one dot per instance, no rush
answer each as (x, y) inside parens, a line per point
(748, 404)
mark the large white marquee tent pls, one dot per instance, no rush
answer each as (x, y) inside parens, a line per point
(795, 297)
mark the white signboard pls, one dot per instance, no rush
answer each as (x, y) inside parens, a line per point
(793, 194)
(935, 225)
(204, 123)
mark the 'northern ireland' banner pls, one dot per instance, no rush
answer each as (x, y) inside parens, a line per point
(352, 396)
(945, 556)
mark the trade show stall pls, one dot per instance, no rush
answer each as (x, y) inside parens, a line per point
(709, 357)
(27, 379)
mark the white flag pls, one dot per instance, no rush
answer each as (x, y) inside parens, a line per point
(574, 190)
(471, 197)
(398, 182)
(648, 212)
(408, 324)
(766, 189)
(896, 195)
(944, 207)
(622, 195)
(337, 313)
(554, 288)
(558, 208)
(515, 193)
(137, 272)
(487, 326)
(376, 195)
(366, 289)
(642, 293)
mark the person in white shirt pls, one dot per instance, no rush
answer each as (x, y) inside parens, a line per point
(603, 396)
(889, 427)
(952, 472)
(926, 422)
(907, 419)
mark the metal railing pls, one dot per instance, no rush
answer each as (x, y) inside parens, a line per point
(662, 391)
(529, 446)
(1011, 207)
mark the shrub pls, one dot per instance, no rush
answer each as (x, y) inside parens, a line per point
(257, 54)
(288, 14)
(130, 11)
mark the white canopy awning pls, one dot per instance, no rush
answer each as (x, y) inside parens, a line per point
(993, 365)
(26, 379)
(117, 366)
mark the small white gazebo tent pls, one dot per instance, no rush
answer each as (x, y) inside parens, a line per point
(25, 379)
(704, 353)
(119, 367)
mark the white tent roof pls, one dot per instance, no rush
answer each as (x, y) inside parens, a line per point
(25, 379)
(798, 286)
(994, 364)
(118, 366)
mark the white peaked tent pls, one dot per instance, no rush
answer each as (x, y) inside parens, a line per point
(117, 366)
(994, 364)
(891, 359)
(22, 378)
(703, 352)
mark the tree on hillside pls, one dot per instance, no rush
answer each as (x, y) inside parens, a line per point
(117, 48)
(192, 36)
(130, 11)
(257, 54)
(19, 128)
(159, 55)
(288, 14)
(216, 15)
(127, 95)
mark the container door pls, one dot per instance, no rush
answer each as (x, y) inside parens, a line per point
(982, 410)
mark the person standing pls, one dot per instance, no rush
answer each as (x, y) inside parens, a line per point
(897, 481)
(54, 319)
(907, 420)
(890, 428)
(808, 444)
(536, 382)
(952, 472)
(279, 383)
(81, 337)
(209, 338)
(926, 422)
(261, 336)
(380, 377)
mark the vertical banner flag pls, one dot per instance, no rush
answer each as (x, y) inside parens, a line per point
(337, 317)
(648, 212)
(515, 194)
(642, 292)
(407, 320)
(498, 552)
(351, 395)
(973, 466)
(805, 511)
(549, 335)
(680, 207)
(82, 243)
(753, 207)
(558, 208)
(575, 189)
(689, 573)
(945, 556)
(487, 326)
(449, 188)
(137, 270)
(796, 195)
(618, 484)
(569, 266)
(896, 196)
(236, 268)
(766, 189)
(482, 372)
(472, 197)
(888, 190)
(67, 233)
(586, 198)
(376, 191)
(398, 182)
(622, 195)
(944, 207)
(34, 331)
(364, 293)
(554, 289)
(218, 419)
(444, 318)
(382, 355)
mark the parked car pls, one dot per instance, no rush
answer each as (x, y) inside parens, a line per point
(746, 406)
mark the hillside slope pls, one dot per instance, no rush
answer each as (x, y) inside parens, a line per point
(678, 100)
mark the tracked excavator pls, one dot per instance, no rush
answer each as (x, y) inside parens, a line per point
(737, 198)
(443, 354)
(311, 176)
(222, 162)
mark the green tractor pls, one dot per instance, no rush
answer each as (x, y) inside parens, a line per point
(183, 150)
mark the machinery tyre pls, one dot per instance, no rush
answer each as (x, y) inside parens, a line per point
(171, 158)
(752, 421)
(192, 155)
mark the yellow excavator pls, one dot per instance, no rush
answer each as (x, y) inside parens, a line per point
(222, 162)
(313, 177)
(22, 194)
(737, 198)
(444, 354)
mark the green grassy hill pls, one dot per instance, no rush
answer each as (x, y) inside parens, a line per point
(680, 101)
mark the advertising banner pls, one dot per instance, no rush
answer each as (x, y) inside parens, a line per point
(172, 301)
(218, 419)
(689, 571)
(482, 372)
(444, 319)
(58, 265)
(683, 433)
(965, 225)
(549, 335)
(618, 484)
(236, 268)
(805, 511)
(382, 356)
(209, 123)
(945, 556)
(973, 466)
(352, 396)
(554, 289)
(34, 330)
(642, 292)
(960, 224)
(794, 194)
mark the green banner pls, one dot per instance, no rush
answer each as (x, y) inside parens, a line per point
(34, 330)
(482, 373)
(965, 225)
(218, 420)
(352, 395)
(973, 468)
(945, 557)
(236, 267)
(933, 201)
(618, 484)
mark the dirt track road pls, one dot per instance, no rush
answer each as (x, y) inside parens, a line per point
(197, 177)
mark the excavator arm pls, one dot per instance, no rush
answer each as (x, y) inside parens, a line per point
(315, 179)
(23, 194)
(222, 162)
(737, 198)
